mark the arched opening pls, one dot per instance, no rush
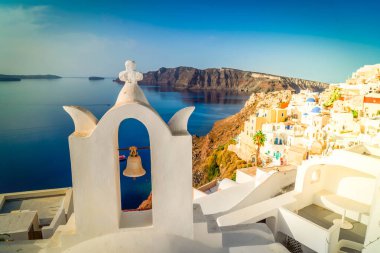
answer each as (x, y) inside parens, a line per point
(133, 191)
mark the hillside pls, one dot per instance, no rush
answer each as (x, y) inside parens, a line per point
(208, 149)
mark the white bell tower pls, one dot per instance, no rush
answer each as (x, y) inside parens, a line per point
(95, 164)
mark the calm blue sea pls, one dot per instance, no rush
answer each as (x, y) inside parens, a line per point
(34, 128)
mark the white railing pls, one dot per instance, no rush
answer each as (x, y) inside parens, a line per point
(136, 218)
(59, 219)
(246, 194)
(308, 233)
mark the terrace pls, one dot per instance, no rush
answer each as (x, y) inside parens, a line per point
(366, 150)
(324, 218)
(35, 214)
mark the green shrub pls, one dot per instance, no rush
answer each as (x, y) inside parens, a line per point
(213, 169)
(354, 113)
(335, 95)
(234, 176)
(220, 148)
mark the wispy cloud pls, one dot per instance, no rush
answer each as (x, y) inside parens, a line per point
(27, 46)
(97, 40)
(16, 21)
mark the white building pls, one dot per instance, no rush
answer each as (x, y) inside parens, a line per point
(245, 147)
(335, 204)
(343, 123)
(371, 105)
(279, 138)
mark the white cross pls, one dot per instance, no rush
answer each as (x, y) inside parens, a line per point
(130, 74)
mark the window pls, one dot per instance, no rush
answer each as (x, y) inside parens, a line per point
(315, 176)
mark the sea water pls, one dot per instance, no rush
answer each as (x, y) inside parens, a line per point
(34, 128)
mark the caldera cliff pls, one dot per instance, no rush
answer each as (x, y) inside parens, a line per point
(226, 79)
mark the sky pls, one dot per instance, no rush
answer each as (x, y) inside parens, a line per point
(316, 40)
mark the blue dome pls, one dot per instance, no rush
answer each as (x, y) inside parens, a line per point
(316, 110)
(312, 100)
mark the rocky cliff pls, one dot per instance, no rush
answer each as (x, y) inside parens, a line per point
(207, 148)
(226, 79)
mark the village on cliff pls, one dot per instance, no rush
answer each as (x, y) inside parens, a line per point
(314, 183)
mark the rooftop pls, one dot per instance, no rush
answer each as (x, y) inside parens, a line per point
(46, 207)
(366, 150)
(250, 170)
(310, 100)
(16, 221)
(279, 168)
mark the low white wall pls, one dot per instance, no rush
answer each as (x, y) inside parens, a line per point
(246, 194)
(59, 219)
(268, 188)
(242, 177)
(141, 240)
(257, 212)
(373, 229)
(226, 183)
(198, 194)
(2, 201)
(33, 194)
(223, 200)
(20, 236)
(308, 233)
(68, 204)
(202, 235)
(349, 183)
(141, 218)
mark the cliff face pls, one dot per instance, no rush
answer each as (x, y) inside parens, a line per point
(224, 130)
(226, 79)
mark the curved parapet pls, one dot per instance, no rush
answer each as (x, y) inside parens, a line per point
(84, 121)
(178, 123)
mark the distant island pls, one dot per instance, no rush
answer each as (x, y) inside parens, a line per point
(94, 78)
(225, 79)
(7, 78)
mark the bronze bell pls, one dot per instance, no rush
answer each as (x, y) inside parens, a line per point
(134, 166)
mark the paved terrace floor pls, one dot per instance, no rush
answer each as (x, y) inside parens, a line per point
(46, 207)
(324, 218)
